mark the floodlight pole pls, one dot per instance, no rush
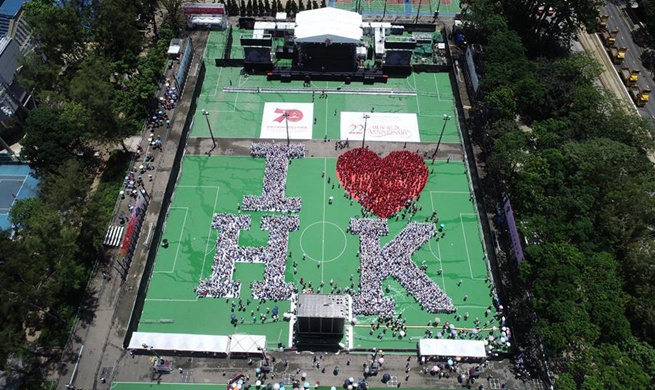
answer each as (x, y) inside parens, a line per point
(286, 121)
(206, 114)
(446, 118)
(366, 116)
(419, 10)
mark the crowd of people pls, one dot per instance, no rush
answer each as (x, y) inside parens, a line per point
(221, 283)
(275, 256)
(394, 259)
(382, 186)
(167, 102)
(275, 178)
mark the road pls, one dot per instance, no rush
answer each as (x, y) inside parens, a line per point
(619, 20)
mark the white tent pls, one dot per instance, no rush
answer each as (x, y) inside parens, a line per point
(328, 25)
(452, 348)
(247, 344)
(179, 342)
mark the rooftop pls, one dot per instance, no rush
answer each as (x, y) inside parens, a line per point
(323, 305)
(11, 7)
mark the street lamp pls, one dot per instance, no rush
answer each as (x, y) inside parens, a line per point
(286, 121)
(206, 114)
(446, 118)
(366, 116)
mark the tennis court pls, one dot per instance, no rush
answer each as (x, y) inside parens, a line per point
(407, 8)
(235, 102)
(217, 184)
(16, 183)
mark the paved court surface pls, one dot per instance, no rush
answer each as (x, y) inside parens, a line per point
(204, 374)
(16, 182)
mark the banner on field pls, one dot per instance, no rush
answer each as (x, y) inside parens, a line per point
(298, 116)
(389, 127)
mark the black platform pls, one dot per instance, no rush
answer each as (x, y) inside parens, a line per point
(367, 76)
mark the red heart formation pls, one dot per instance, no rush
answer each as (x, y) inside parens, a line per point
(382, 186)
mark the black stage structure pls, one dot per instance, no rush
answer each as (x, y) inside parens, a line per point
(329, 44)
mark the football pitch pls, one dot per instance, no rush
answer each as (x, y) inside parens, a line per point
(216, 184)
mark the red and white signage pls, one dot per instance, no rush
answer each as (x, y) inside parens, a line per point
(298, 116)
(383, 126)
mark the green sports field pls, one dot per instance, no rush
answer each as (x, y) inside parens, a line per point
(216, 184)
(238, 114)
(401, 8)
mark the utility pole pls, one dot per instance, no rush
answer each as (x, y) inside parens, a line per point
(206, 114)
(446, 118)
(286, 121)
(366, 116)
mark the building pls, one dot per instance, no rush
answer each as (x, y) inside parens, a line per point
(13, 25)
(15, 102)
(322, 316)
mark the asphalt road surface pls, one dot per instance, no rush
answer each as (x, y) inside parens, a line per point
(619, 20)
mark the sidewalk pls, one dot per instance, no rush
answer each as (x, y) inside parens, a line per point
(98, 335)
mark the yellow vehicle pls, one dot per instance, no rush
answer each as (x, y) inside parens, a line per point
(601, 22)
(639, 96)
(628, 76)
(617, 54)
(608, 37)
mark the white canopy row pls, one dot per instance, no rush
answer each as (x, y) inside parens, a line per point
(180, 342)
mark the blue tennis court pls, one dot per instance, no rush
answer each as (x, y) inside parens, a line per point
(16, 182)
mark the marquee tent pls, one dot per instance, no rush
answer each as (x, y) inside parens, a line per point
(246, 344)
(180, 342)
(328, 25)
(452, 348)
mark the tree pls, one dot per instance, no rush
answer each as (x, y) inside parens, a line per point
(648, 59)
(249, 8)
(294, 6)
(66, 190)
(639, 273)
(116, 29)
(41, 76)
(267, 8)
(48, 143)
(323, 5)
(274, 9)
(58, 29)
(54, 269)
(242, 8)
(502, 102)
(174, 16)
(301, 6)
(309, 4)
(91, 87)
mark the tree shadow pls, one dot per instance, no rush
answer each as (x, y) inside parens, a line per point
(88, 307)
